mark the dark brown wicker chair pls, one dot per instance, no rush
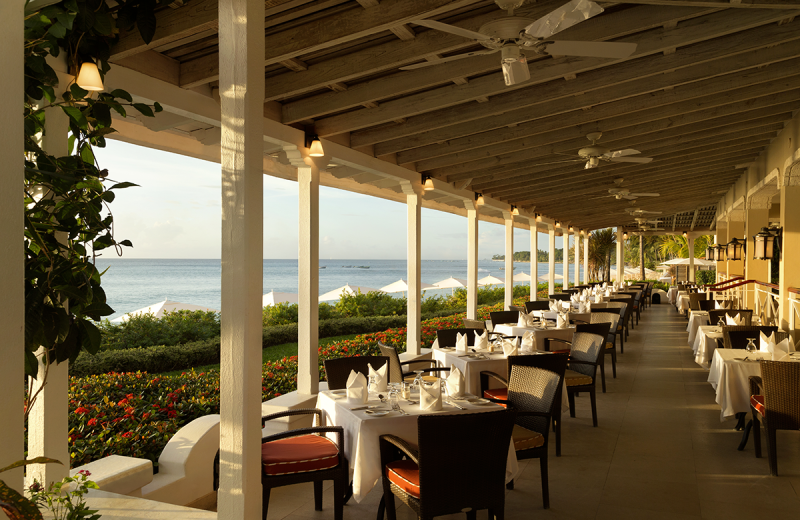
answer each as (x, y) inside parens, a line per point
(637, 300)
(447, 484)
(585, 356)
(500, 317)
(775, 401)
(338, 370)
(736, 337)
(609, 345)
(304, 455)
(396, 374)
(565, 297)
(447, 337)
(715, 315)
(516, 308)
(706, 305)
(625, 318)
(695, 299)
(474, 324)
(542, 305)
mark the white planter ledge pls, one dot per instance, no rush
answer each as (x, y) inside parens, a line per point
(112, 506)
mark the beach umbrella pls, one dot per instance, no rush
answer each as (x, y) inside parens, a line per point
(346, 289)
(491, 280)
(522, 277)
(158, 309)
(402, 286)
(685, 261)
(272, 297)
(451, 283)
(545, 277)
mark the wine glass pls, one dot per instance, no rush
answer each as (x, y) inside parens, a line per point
(418, 379)
(751, 346)
(371, 386)
(394, 403)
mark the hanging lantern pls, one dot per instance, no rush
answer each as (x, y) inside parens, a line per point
(710, 253)
(719, 253)
(763, 245)
(734, 249)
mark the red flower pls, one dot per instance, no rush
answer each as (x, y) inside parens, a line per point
(127, 434)
(172, 413)
(92, 422)
(81, 409)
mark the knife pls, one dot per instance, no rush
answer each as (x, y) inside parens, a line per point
(451, 403)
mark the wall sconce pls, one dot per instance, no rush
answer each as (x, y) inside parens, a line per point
(734, 249)
(710, 253)
(571, 229)
(558, 224)
(685, 234)
(719, 252)
(538, 218)
(765, 244)
(514, 211)
(314, 145)
(625, 236)
(479, 199)
(427, 183)
(89, 77)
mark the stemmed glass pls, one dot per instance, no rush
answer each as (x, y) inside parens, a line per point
(751, 346)
(418, 379)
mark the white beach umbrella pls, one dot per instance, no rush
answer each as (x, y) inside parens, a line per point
(546, 277)
(522, 277)
(272, 297)
(345, 289)
(685, 261)
(451, 283)
(491, 280)
(158, 309)
(402, 286)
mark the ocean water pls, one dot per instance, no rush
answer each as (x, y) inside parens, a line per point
(131, 284)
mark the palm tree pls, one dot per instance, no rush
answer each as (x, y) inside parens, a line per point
(601, 245)
(677, 246)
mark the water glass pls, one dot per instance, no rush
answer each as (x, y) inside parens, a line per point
(371, 386)
(393, 396)
(751, 346)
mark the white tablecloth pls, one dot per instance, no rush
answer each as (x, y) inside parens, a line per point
(472, 368)
(683, 303)
(705, 344)
(696, 318)
(672, 295)
(362, 434)
(552, 315)
(730, 378)
(539, 334)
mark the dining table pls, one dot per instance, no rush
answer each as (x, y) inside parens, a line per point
(672, 295)
(696, 318)
(539, 333)
(363, 428)
(707, 340)
(683, 302)
(471, 363)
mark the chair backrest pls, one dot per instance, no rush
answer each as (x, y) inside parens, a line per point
(601, 329)
(560, 296)
(474, 324)
(715, 315)
(695, 299)
(621, 303)
(736, 337)
(781, 394)
(338, 370)
(447, 337)
(395, 369)
(610, 318)
(586, 347)
(453, 483)
(542, 305)
(682, 287)
(500, 317)
(516, 308)
(571, 291)
(534, 389)
(706, 305)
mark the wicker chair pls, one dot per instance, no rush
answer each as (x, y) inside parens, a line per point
(447, 337)
(736, 337)
(500, 317)
(542, 305)
(304, 455)
(516, 308)
(775, 401)
(446, 484)
(706, 305)
(695, 299)
(715, 315)
(474, 324)
(637, 299)
(396, 374)
(560, 296)
(625, 318)
(338, 370)
(608, 316)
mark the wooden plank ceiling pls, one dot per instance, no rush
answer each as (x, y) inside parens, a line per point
(711, 83)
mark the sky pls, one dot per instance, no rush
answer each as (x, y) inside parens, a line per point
(175, 213)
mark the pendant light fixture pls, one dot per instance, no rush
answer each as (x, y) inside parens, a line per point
(89, 77)
(427, 183)
(734, 249)
(479, 199)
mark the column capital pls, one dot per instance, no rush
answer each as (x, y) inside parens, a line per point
(507, 215)
(470, 205)
(411, 188)
(759, 202)
(791, 175)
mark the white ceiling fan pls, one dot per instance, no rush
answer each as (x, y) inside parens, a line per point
(620, 193)
(512, 35)
(649, 225)
(639, 212)
(594, 154)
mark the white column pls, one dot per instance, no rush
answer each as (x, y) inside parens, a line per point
(690, 244)
(509, 293)
(586, 258)
(472, 260)
(577, 240)
(620, 255)
(414, 252)
(641, 256)
(790, 250)
(48, 421)
(565, 250)
(756, 217)
(241, 66)
(12, 255)
(534, 261)
(551, 260)
(308, 279)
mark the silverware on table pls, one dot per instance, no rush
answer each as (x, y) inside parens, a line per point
(451, 403)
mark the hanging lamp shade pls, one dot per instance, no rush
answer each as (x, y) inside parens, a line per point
(315, 150)
(734, 249)
(427, 185)
(763, 245)
(89, 77)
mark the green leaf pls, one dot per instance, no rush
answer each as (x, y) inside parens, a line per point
(86, 154)
(146, 23)
(157, 107)
(103, 23)
(90, 336)
(126, 243)
(121, 185)
(58, 30)
(144, 109)
(71, 143)
(66, 19)
(108, 196)
(119, 93)
(102, 113)
(26, 462)
(49, 93)
(76, 116)
(77, 92)
(16, 506)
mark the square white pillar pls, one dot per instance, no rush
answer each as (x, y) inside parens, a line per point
(756, 217)
(577, 240)
(308, 279)
(534, 261)
(509, 272)
(12, 255)
(690, 244)
(472, 260)
(586, 258)
(790, 250)
(414, 266)
(241, 67)
(551, 260)
(620, 255)
(565, 250)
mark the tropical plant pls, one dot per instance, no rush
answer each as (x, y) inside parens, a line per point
(64, 499)
(601, 246)
(677, 246)
(15, 505)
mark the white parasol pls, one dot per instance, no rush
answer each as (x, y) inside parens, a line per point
(345, 289)
(158, 309)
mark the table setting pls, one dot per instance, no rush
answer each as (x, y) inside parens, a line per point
(696, 319)
(707, 340)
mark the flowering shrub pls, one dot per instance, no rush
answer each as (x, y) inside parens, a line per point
(135, 414)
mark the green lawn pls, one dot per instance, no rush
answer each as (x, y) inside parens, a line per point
(268, 354)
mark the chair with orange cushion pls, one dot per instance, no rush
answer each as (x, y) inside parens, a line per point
(586, 354)
(445, 474)
(304, 455)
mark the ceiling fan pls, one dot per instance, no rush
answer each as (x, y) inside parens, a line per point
(640, 212)
(649, 225)
(512, 34)
(594, 154)
(620, 193)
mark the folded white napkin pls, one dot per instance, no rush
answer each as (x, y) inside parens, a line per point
(575, 297)
(718, 304)
(528, 341)
(605, 285)
(430, 397)
(781, 350)
(482, 340)
(562, 320)
(380, 377)
(455, 382)
(608, 292)
(526, 319)
(584, 307)
(734, 320)
(461, 342)
(765, 341)
(510, 347)
(598, 298)
(356, 388)
(553, 305)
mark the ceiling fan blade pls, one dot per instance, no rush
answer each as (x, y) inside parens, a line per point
(559, 162)
(640, 160)
(452, 29)
(589, 165)
(591, 49)
(646, 194)
(630, 196)
(445, 60)
(623, 153)
(602, 197)
(565, 16)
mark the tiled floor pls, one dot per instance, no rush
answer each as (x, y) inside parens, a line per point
(660, 451)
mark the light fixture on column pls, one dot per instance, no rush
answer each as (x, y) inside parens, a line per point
(89, 77)
(734, 249)
(514, 211)
(313, 144)
(764, 244)
(685, 234)
(571, 229)
(479, 199)
(710, 253)
(625, 235)
(719, 252)
(427, 183)
(558, 224)
(538, 218)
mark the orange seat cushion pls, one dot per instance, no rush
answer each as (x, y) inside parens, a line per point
(757, 402)
(525, 439)
(405, 475)
(496, 393)
(562, 351)
(573, 378)
(299, 454)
